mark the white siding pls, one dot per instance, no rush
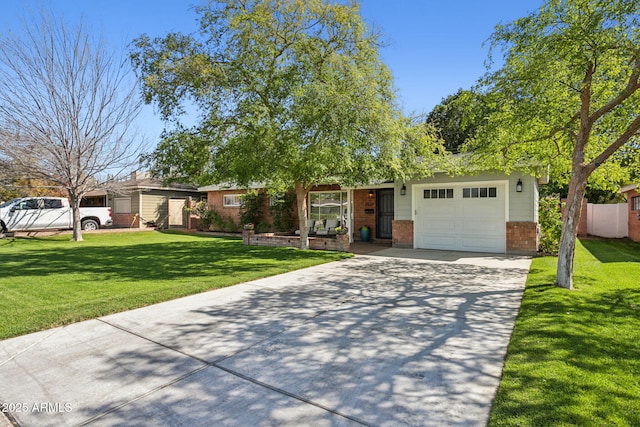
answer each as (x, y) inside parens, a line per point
(522, 206)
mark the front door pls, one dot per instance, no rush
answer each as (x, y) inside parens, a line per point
(385, 213)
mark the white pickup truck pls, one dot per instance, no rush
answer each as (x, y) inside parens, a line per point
(46, 213)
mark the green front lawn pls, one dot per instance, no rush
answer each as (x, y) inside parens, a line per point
(52, 281)
(574, 358)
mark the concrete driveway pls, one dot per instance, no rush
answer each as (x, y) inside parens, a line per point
(399, 337)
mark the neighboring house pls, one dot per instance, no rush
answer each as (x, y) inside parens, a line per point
(142, 202)
(481, 213)
(633, 202)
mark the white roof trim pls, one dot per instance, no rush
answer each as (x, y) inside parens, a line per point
(228, 186)
(629, 188)
(371, 186)
(144, 187)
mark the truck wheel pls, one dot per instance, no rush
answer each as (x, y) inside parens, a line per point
(89, 225)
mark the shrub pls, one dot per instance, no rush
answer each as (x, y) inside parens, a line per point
(207, 215)
(282, 211)
(254, 211)
(550, 224)
(210, 219)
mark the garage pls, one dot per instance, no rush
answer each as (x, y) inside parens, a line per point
(462, 216)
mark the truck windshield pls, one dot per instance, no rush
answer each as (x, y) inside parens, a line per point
(9, 203)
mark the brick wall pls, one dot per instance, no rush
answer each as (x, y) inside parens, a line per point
(634, 220)
(523, 237)
(364, 212)
(338, 243)
(402, 231)
(214, 200)
(125, 220)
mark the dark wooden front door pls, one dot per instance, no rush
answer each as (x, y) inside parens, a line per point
(385, 213)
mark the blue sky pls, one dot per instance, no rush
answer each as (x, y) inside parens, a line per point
(434, 46)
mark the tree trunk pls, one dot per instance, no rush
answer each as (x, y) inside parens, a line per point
(570, 224)
(301, 202)
(75, 209)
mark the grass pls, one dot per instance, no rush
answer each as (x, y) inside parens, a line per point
(574, 357)
(50, 282)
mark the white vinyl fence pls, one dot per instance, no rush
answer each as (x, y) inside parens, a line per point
(607, 220)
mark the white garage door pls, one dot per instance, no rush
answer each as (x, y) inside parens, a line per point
(461, 217)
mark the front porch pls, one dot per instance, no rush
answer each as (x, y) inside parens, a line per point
(370, 207)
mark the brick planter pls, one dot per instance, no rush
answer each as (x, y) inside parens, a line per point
(339, 243)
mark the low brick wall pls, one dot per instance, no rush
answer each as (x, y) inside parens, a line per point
(338, 243)
(402, 232)
(523, 237)
(125, 220)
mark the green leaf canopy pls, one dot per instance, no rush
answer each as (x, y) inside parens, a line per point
(569, 81)
(288, 92)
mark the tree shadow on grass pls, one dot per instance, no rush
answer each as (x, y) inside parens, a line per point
(572, 360)
(204, 257)
(389, 342)
(613, 250)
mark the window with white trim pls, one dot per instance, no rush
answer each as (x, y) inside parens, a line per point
(232, 200)
(479, 192)
(122, 205)
(328, 205)
(635, 203)
(438, 193)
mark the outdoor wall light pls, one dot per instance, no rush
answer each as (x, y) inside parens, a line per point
(370, 194)
(519, 186)
(403, 190)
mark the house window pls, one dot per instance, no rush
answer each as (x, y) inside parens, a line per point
(232, 200)
(122, 206)
(438, 193)
(328, 205)
(479, 192)
(635, 203)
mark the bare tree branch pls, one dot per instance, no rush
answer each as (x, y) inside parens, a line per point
(67, 107)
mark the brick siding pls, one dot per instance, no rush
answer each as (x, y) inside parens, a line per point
(523, 237)
(364, 213)
(125, 220)
(215, 201)
(402, 231)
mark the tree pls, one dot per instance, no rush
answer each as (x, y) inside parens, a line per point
(458, 117)
(567, 94)
(291, 93)
(66, 109)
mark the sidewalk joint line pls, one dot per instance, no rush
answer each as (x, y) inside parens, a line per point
(215, 364)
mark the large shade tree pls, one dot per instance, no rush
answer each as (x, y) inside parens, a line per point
(457, 118)
(290, 94)
(567, 94)
(67, 105)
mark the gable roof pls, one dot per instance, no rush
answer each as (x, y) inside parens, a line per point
(629, 187)
(142, 181)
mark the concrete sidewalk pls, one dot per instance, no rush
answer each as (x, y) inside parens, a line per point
(386, 339)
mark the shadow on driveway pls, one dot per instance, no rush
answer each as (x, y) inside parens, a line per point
(371, 340)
